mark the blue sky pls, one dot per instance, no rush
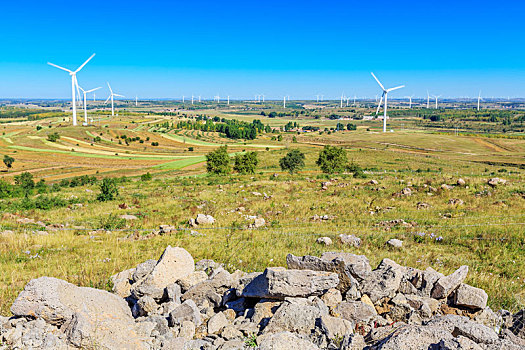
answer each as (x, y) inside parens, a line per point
(166, 49)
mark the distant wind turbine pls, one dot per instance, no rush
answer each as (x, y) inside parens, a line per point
(73, 75)
(479, 98)
(111, 95)
(436, 97)
(385, 94)
(410, 98)
(85, 102)
(428, 100)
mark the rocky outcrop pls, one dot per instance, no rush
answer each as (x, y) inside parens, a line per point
(333, 302)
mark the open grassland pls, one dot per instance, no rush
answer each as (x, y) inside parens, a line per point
(485, 232)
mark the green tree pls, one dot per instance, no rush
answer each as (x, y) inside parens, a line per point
(292, 161)
(351, 126)
(25, 181)
(108, 190)
(53, 137)
(218, 161)
(332, 159)
(146, 177)
(8, 161)
(246, 163)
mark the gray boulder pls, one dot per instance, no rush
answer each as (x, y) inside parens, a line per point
(470, 297)
(358, 265)
(335, 327)
(383, 281)
(85, 315)
(174, 264)
(460, 325)
(293, 317)
(447, 284)
(122, 283)
(307, 262)
(414, 338)
(355, 311)
(284, 341)
(187, 311)
(278, 283)
(143, 269)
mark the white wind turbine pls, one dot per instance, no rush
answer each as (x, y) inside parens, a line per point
(385, 94)
(111, 95)
(436, 97)
(410, 103)
(479, 98)
(228, 100)
(73, 85)
(85, 102)
(136, 101)
(428, 100)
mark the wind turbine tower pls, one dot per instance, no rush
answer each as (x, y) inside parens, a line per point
(85, 102)
(74, 85)
(385, 94)
(111, 95)
(479, 98)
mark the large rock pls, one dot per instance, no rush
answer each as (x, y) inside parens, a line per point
(143, 269)
(460, 325)
(187, 311)
(383, 281)
(307, 262)
(217, 322)
(335, 327)
(355, 311)
(293, 317)
(358, 265)
(414, 338)
(471, 297)
(174, 264)
(278, 283)
(86, 315)
(447, 284)
(122, 283)
(192, 279)
(211, 291)
(284, 341)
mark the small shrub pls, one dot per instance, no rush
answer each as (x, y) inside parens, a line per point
(292, 161)
(108, 190)
(112, 222)
(54, 137)
(146, 177)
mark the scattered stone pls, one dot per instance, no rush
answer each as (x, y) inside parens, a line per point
(350, 240)
(324, 240)
(284, 341)
(396, 243)
(203, 219)
(495, 181)
(128, 217)
(192, 279)
(422, 205)
(456, 201)
(446, 187)
(461, 182)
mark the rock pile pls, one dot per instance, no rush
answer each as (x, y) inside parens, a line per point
(336, 301)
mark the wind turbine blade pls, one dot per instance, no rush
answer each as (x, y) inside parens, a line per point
(87, 92)
(395, 88)
(382, 87)
(54, 65)
(108, 99)
(83, 64)
(109, 86)
(119, 95)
